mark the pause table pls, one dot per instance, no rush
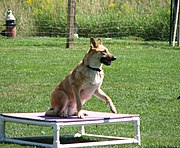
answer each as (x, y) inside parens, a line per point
(57, 123)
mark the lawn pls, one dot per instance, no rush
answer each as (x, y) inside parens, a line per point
(145, 80)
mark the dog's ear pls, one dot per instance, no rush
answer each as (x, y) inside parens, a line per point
(99, 41)
(93, 43)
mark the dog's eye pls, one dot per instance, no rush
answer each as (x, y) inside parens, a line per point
(104, 51)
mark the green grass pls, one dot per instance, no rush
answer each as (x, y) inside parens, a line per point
(143, 80)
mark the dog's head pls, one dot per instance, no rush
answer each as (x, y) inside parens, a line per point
(100, 52)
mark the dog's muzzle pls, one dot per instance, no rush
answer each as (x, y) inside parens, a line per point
(107, 60)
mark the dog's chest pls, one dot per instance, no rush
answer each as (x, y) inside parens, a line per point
(96, 78)
(88, 88)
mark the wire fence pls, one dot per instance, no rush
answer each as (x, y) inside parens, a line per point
(147, 20)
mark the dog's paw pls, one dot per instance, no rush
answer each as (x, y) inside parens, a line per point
(81, 114)
(63, 115)
(113, 108)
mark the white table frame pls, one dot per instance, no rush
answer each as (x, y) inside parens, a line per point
(58, 125)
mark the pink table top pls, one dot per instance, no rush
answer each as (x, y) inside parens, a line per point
(91, 116)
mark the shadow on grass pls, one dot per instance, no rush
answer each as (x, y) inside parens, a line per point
(63, 140)
(49, 140)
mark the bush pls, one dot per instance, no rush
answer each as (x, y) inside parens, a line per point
(127, 18)
(104, 18)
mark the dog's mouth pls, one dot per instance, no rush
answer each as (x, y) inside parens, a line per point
(107, 60)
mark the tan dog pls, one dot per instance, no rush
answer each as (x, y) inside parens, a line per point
(83, 82)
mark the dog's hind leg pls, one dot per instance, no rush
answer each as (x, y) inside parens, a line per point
(59, 102)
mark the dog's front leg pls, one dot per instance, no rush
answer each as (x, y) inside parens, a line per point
(80, 113)
(100, 94)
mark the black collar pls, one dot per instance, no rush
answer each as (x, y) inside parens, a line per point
(96, 69)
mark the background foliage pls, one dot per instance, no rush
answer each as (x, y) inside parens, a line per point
(107, 18)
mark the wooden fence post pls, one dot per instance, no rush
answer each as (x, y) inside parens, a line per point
(70, 24)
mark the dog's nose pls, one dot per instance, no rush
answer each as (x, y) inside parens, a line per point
(113, 58)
